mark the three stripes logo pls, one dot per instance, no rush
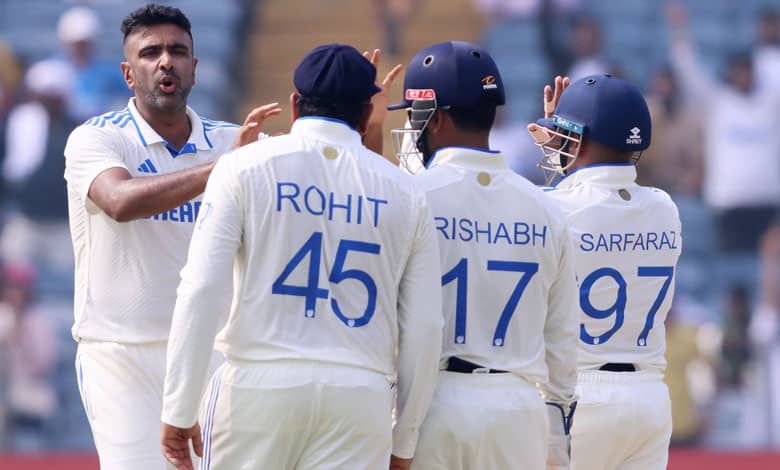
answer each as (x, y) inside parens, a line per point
(147, 167)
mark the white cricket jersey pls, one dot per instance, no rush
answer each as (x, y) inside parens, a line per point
(509, 291)
(627, 240)
(335, 261)
(127, 273)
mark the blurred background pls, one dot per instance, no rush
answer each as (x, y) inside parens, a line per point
(711, 73)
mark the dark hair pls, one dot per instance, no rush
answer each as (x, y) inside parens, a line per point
(153, 14)
(478, 118)
(351, 113)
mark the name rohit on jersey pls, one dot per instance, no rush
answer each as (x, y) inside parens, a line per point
(185, 213)
(350, 208)
(510, 233)
(629, 241)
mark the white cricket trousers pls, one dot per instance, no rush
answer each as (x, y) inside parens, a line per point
(483, 422)
(623, 421)
(121, 388)
(297, 415)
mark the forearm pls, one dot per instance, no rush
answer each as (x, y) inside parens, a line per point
(419, 354)
(141, 197)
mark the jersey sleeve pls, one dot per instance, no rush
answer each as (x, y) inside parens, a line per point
(203, 296)
(89, 152)
(560, 328)
(420, 324)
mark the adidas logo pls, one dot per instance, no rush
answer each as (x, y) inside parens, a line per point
(147, 167)
(634, 138)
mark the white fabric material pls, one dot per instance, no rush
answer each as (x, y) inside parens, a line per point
(621, 241)
(121, 389)
(316, 224)
(623, 422)
(485, 422)
(28, 133)
(508, 219)
(558, 444)
(741, 142)
(297, 414)
(126, 273)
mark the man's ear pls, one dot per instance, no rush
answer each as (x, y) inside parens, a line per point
(437, 121)
(194, 66)
(368, 108)
(127, 74)
(294, 104)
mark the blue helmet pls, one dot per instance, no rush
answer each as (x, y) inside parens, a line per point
(452, 74)
(601, 108)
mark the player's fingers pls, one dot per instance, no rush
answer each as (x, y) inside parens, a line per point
(260, 111)
(197, 442)
(566, 82)
(548, 93)
(549, 104)
(365, 54)
(538, 133)
(390, 77)
(375, 56)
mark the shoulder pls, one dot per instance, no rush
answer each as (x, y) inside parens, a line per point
(106, 129)
(661, 199)
(111, 120)
(219, 133)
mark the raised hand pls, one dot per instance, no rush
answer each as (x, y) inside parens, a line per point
(551, 96)
(380, 100)
(250, 130)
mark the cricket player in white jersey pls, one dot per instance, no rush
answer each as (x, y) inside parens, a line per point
(509, 289)
(337, 289)
(627, 242)
(134, 179)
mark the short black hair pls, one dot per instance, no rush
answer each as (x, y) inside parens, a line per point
(477, 118)
(154, 14)
(351, 113)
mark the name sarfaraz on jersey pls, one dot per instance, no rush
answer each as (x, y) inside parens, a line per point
(350, 208)
(492, 232)
(628, 241)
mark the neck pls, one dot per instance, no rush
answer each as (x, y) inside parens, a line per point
(173, 126)
(475, 140)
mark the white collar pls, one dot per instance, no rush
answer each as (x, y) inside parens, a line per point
(148, 136)
(326, 129)
(607, 174)
(469, 157)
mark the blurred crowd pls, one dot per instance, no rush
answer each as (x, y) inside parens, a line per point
(715, 149)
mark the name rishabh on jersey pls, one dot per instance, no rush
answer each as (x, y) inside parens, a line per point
(627, 240)
(127, 273)
(507, 268)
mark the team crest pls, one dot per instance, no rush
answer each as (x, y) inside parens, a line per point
(489, 82)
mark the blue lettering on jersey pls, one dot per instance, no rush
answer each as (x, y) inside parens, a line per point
(628, 241)
(508, 233)
(347, 207)
(186, 213)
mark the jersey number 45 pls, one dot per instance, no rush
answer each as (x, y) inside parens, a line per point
(311, 291)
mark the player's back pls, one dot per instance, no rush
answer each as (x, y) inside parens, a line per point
(626, 241)
(328, 227)
(501, 242)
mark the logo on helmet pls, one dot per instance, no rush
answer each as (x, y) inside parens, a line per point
(414, 94)
(634, 138)
(489, 82)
